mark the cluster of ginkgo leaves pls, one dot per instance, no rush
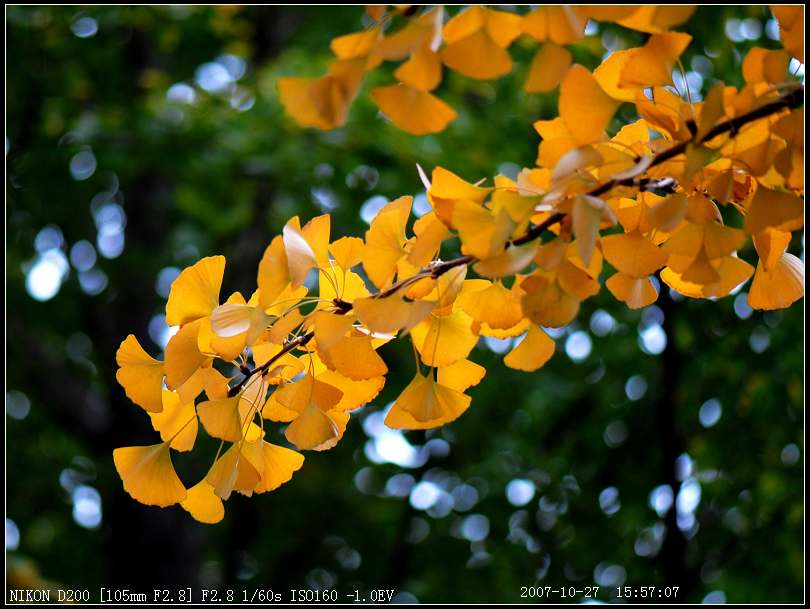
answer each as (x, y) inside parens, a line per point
(678, 192)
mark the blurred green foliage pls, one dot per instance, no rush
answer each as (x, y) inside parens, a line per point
(550, 479)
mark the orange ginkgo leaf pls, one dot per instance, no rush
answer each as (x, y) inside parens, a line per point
(653, 18)
(774, 209)
(429, 233)
(483, 231)
(791, 28)
(140, 375)
(329, 328)
(546, 303)
(234, 471)
(587, 215)
(633, 254)
(477, 56)
(176, 423)
(347, 251)
(764, 65)
(273, 276)
(356, 44)
(148, 474)
(203, 503)
(580, 96)
(548, 67)
(446, 188)
(609, 74)
(195, 292)
(779, 287)
(416, 111)
(559, 24)
(636, 292)
(423, 71)
(770, 245)
(651, 65)
(444, 340)
(510, 261)
(384, 240)
(532, 352)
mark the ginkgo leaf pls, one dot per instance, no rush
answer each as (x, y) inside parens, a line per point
(791, 28)
(548, 67)
(773, 209)
(587, 215)
(308, 390)
(314, 429)
(719, 240)
(300, 256)
(667, 214)
(384, 240)
(148, 474)
(495, 305)
(176, 423)
(355, 393)
(416, 111)
(195, 292)
(636, 292)
(221, 418)
(770, 245)
(651, 65)
(580, 96)
(609, 74)
(546, 303)
(232, 471)
(391, 314)
(477, 56)
(348, 251)
(203, 503)
(763, 65)
(273, 276)
(330, 328)
(532, 352)
(425, 403)
(357, 44)
(778, 288)
(442, 341)
(354, 357)
(183, 356)
(559, 24)
(632, 254)
(279, 466)
(484, 233)
(652, 18)
(423, 71)
(510, 261)
(140, 375)
(461, 375)
(429, 233)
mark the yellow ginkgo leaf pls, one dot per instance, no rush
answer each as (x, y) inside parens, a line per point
(461, 375)
(582, 96)
(348, 251)
(221, 418)
(354, 356)
(633, 254)
(357, 44)
(719, 240)
(653, 18)
(308, 390)
(391, 314)
(314, 429)
(232, 471)
(273, 276)
(203, 503)
(651, 65)
(510, 261)
(183, 356)
(429, 233)
(783, 211)
(355, 393)
(413, 110)
(483, 232)
(384, 240)
(176, 423)
(668, 213)
(300, 256)
(609, 74)
(195, 292)
(549, 65)
(330, 328)
(546, 303)
(791, 28)
(495, 305)
(636, 292)
(140, 375)
(148, 474)
(532, 352)
(780, 287)
(424, 403)
(587, 216)
(279, 466)
(442, 341)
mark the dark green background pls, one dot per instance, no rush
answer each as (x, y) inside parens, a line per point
(195, 180)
